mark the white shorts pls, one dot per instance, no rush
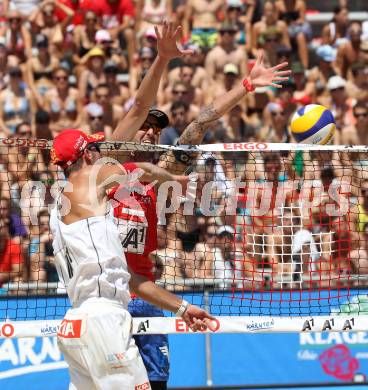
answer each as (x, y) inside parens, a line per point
(97, 344)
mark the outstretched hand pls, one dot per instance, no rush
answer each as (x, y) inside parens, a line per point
(167, 46)
(198, 319)
(260, 76)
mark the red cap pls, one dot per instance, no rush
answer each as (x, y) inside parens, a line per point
(70, 144)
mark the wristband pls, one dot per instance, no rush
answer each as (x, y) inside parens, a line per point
(248, 85)
(182, 308)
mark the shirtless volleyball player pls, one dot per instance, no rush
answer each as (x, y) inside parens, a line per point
(153, 348)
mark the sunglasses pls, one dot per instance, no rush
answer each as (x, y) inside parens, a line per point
(210, 235)
(234, 9)
(361, 114)
(178, 113)
(91, 20)
(93, 118)
(147, 126)
(180, 92)
(269, 40)
(94, 147)
(16, 20)
(59, 78)
(337, 89)
(277, 113)
(230, 32)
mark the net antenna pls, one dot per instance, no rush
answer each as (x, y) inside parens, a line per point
(293, 267)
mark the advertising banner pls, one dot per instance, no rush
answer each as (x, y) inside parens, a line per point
(254, 359)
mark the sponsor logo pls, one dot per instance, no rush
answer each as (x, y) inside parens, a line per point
(332, 338)
(43, 144)
(7, 330)
(49, 330)
(80, 143)
(115, 360)
(306, 354)
(182, 327)
(143, 386)
(338, 362)
(260, 325)
(70, 329)
(25, 352)
(246, 146)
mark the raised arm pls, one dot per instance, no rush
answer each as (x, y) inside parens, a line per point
(194, 132)
(167, 49)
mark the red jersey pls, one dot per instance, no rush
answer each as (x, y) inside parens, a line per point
(112, 14)
(137, 226)
(80, 7)
(12, 254)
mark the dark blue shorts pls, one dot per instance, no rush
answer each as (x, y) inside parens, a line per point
(154, 349)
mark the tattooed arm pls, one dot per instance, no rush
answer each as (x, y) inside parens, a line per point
(259, 77)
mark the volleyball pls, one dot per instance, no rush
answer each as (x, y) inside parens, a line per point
(313, 124)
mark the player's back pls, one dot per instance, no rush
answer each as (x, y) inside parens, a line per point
(89, 258)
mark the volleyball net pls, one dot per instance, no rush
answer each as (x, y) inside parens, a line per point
(267, 237)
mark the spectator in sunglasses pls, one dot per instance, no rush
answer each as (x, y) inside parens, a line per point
(84, 37)
(112, 113)
(62, 102)
(111, 49)
(182, 92)
(278, 130)
(236, 14)
(118, 92)
(335, 33)
(340, 103)
(45, 21)
(299, 30)
(226, 51)
(356, 134)
(349, 52)
(146, 56)
(194, 60)
(186, 73)
(16, 37)
(93, 75)
(357, 87)
(40, 69)
(321, 73)
(180, 120)
(269, 20)
(95, 121)
(16, 103)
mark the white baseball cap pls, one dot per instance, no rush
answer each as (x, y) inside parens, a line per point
(225, 229)
(231, 69)
(94, 109)
(336, 82)
(102, 36)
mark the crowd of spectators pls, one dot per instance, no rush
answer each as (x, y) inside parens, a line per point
(78, 63)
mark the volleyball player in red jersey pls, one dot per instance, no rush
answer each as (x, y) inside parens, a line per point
(138, 228)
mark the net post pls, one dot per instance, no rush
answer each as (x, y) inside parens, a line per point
(208, 346)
